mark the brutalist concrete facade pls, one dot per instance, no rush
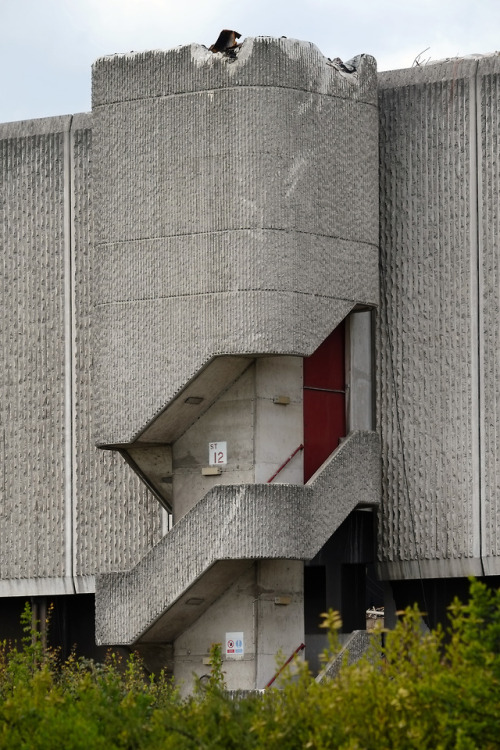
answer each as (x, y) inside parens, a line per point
(206, 227)
(168, 262)
(438, 349)
(63, 503)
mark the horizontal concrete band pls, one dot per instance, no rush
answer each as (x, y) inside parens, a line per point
(415, 569)
(441, 72)
(236, 261)
(47, 586)
(237, 523)
(45, 126)
(452, 568)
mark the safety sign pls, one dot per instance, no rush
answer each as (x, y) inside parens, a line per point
(234, 644)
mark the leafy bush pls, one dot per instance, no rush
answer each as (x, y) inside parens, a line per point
(438, 690)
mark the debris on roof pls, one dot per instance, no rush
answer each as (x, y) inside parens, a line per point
(226, 41)
(350, 66)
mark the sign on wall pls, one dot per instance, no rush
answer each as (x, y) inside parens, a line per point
(217, 454)
(234, 645)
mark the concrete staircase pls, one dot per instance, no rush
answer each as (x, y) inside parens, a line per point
(232, 526)
(358, 644)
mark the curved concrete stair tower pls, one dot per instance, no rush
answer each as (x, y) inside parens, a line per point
(236, 226)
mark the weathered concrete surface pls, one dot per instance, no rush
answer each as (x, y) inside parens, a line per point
(231, 525)
(260, 435)
(438, 395)
(230, 419)
(278, 628)
(488, 162)
(359, 644)
(428, 339)
(60, 520)
(248, 606)
(115, 519)
(236, 213)
(279, 430)
(360, 376)
(32, 375)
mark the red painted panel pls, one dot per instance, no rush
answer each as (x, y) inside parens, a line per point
(324, 411)
(325, 368)
(324, 425)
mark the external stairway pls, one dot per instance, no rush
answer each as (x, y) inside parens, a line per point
(232, 526)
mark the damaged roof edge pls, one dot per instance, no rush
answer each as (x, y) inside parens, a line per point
(227, 46)
(257, 61)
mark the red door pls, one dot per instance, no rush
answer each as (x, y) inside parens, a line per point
(324, 400)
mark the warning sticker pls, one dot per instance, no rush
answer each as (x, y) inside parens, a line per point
(234, 645)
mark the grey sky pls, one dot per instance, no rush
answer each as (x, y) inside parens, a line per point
(48, 46)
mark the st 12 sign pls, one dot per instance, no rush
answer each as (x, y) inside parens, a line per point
(217, 454)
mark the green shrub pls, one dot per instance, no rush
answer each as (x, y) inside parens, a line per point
(438, 690)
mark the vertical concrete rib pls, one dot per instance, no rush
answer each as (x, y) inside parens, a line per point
(68, 353)
(33, 550)
(116, 519)
(488, 82)
(476, 356)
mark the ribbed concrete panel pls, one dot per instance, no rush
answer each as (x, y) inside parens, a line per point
(32, 406)
(221, 259)
(194, 164)
(489, 232)
(427, 336)
(150, 74)
(236, 210)
(231, 524)
(116, 520)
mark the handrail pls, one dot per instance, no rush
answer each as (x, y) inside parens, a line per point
(280, 670)
(300, 448)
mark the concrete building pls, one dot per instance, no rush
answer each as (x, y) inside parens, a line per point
(235, 392)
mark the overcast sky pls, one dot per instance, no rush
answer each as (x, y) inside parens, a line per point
(48, 46)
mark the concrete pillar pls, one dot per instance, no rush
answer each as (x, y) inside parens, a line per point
(278, 419)
(359, 363)
(279, 614)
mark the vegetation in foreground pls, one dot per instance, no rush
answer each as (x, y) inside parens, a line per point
(434, 690)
